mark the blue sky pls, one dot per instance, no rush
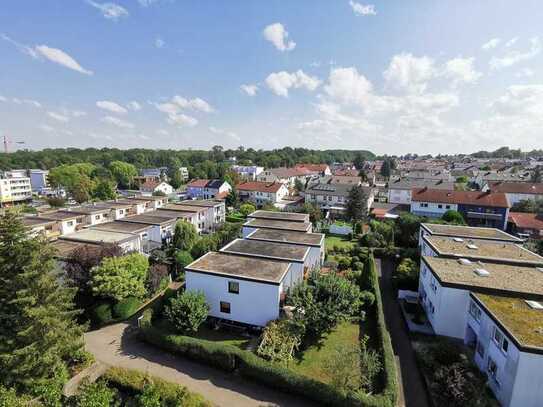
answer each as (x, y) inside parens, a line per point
(394, 77)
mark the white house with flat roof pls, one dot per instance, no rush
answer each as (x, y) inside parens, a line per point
(241, 289)
(252, 224)
(128, 242)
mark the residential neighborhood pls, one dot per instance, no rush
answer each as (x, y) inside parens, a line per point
(281, 204)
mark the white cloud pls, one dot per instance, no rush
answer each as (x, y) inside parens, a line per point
(111, 106)
(159, 42)
(60, 57)
(511, 42)
(29, 102)
(461, 70)
(362, 9)
(409, 73)
(525, 73)
(111, 11)
(514, 57)
(182, 120)
(249, 89)
(78, 113)
(194, 104)
(115, 121)
(3, 99)
(493, 43)
(162, 132)
(278, 36)
(59, 117)
(134, 105)
(280, 82)
(52, 54)
(223, 132)
(520, 100)
(348, 86)
(46, 128)
(147, 3)
(169, 108)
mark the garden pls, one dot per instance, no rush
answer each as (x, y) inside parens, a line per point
(331, 347)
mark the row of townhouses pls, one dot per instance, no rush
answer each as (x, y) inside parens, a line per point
(479, 285)
(246, 282)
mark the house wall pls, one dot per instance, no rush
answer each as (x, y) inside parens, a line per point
(399, 196)
(445, 307)
(133, 245)
(68, 226)
(431, 209)
(256, 303)
(528, 385)
(195, 192)
(500, 224)
(515, 198)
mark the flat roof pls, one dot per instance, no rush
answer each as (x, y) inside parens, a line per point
(483, 249)
(516, 317)
(61, 215)
(279, 251)
(123, 227)
(503, 279)
(285, 236)
(208, 203)
(275, 215)
(65, 248)
(132, 201)
(36, 221)
(88, 210)
(166, 213)
(278, 224)
(98, 236)
(113, 204)
(184, 208)
(148, 219)
(240, 267)
(470, 232)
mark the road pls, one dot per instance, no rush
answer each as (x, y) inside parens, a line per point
(116, 345)
(414, 392)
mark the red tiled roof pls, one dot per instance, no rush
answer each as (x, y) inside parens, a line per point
(149, 185)
(517, 188)
(283, 172)
(260, 186)
(313, 167)
(346, 173)
(524, 220)
(497, 199)
(222, 195)
(198, 183)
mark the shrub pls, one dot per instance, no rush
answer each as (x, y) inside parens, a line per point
(97, 395)
(157, 278)
(344, 263)
(126, 307)
(183, 258)
(406, 276)
(246, 209)
(279, 341)
(454, 217)
(187, 311)
(102, 314)
(358, 265)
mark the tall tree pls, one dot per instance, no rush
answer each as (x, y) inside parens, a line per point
(38, 333)
(232, 199)
(123, 173)
(357, 204)
(359, 161)
(386, 168)
(184, 235)
(536, 176)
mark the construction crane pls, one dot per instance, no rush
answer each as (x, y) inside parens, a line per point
(7, 142)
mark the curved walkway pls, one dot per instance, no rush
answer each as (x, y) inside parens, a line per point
(116, 345)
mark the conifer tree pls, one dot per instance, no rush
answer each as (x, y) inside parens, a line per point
(38, 333)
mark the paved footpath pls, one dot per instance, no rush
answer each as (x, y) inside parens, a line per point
(116, 345)
(414, 392)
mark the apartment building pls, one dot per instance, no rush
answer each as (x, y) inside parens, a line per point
(516, 191)
(253, 224)
(399, 190)
(261, 193)
(39, 180)
(15, 187)
(526, 225)
(485, 209)
(248, 172)
(333, 198)
(214, 212)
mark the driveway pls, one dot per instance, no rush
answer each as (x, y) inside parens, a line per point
(414, 392)
(116, 345)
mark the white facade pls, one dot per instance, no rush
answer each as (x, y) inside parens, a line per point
(257, 303)
(399, 196)
(261, 198)
(39, 180)
(431, 209)
(15, 189)
(446, 308)
(516, 377)
(249, 172)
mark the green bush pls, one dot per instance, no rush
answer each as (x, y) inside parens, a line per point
(134, 383)
(102, 314)
(126, 307)
(187, 311)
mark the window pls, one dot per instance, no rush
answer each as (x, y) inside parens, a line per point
(475, 311)
(97, 217)
(492, 370)
(447, 206)
(424, 205)
(70, 223)
(499, 339)
(440, 206)
(480, 349)
(233, 287)
(225, 307)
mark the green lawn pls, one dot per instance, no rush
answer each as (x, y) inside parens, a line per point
(311, 360)
(338, 241)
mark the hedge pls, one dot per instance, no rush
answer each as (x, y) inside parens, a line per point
(126, 307)
(102, 314)
(132, 382)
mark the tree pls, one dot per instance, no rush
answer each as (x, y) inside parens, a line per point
(406, 276)
(363, 175)
(528, 205)
(183, 258)
(462, 179)
(120, 277)
(299, 185)
(232, 199)
(187, 311)
(386, 168)
(104, 190)
(82, 191)
(455, 217)
(246, 209)
(38, 333)
(359, 161)
(150, 396)
(357, 204)
(343, 368)
(56, 201)
(157, 277)
(407, 230)
(315, 213)
(123, 173)
(184, 235)
(203, 245)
